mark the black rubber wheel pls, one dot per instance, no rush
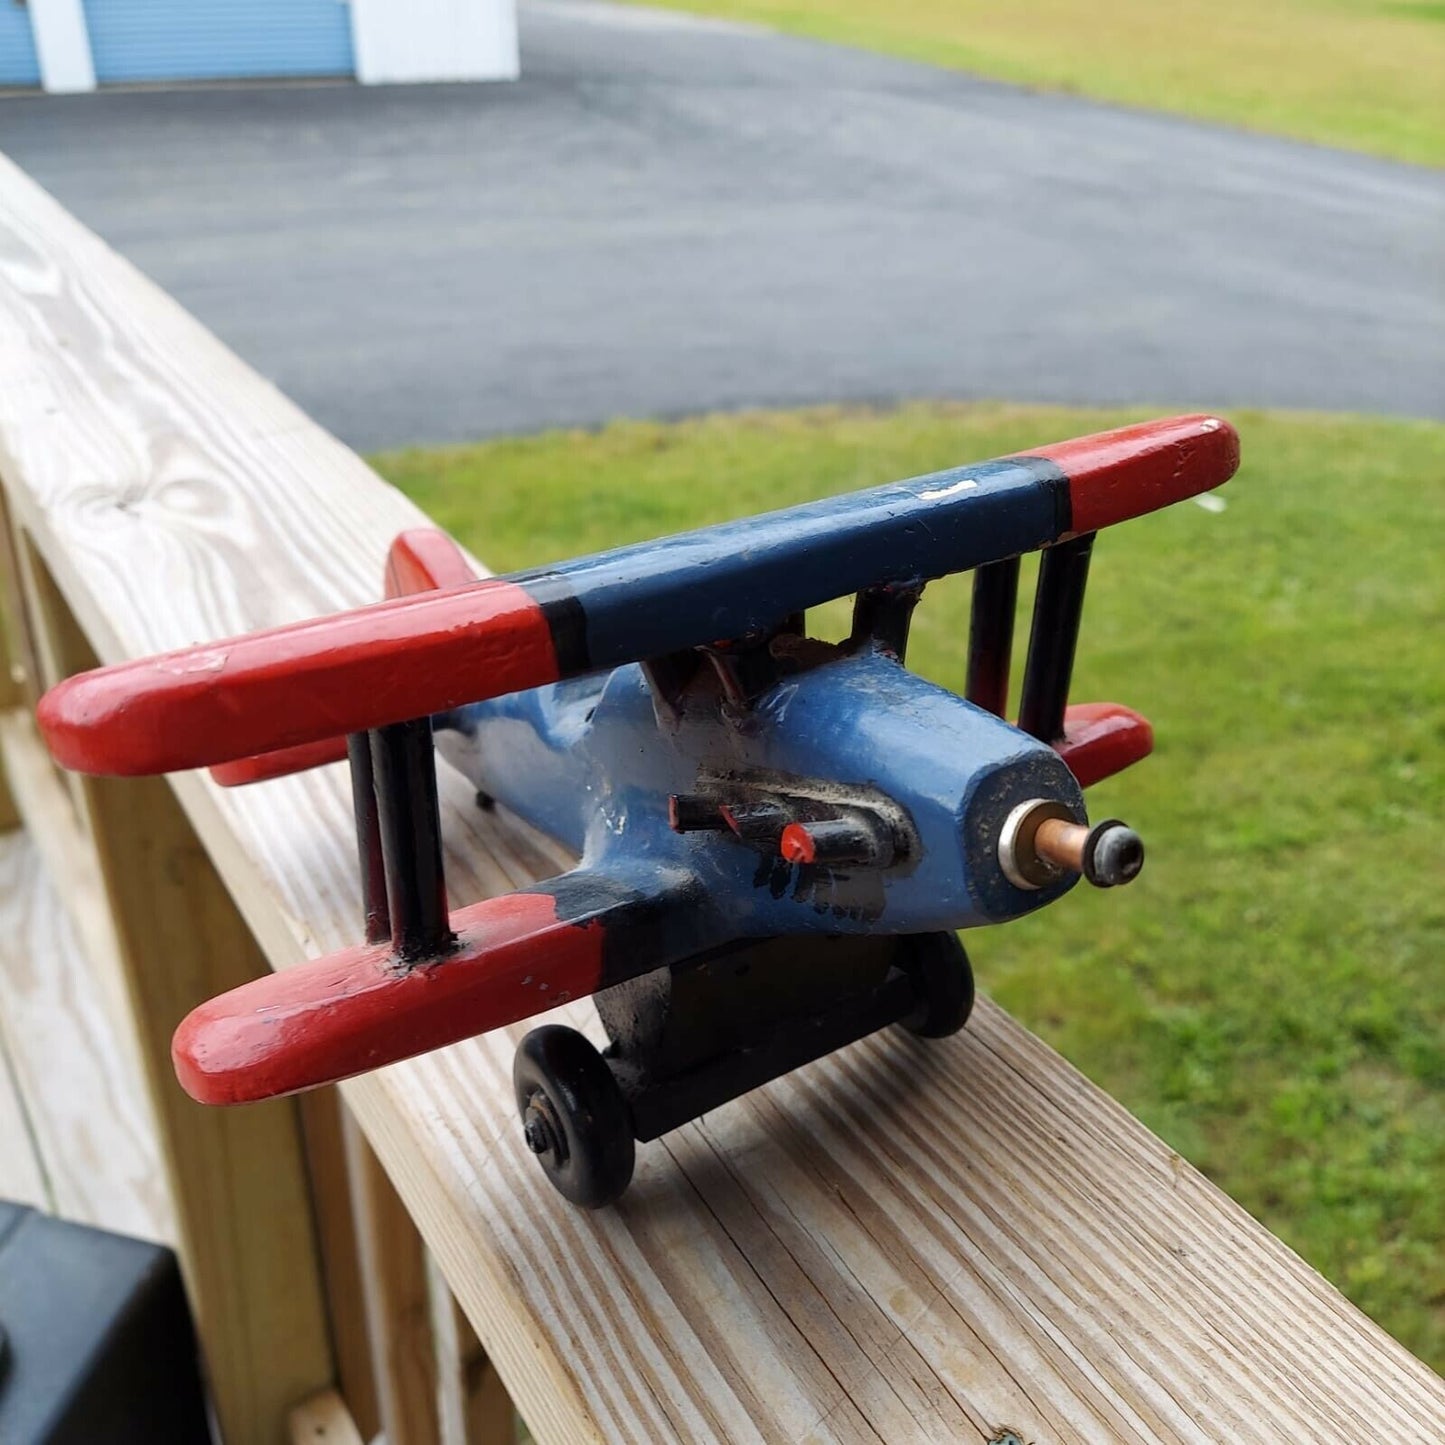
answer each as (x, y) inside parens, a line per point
(944, 977)
(576, 1121)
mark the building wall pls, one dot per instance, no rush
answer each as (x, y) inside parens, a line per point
(392, 41)
(405, 40)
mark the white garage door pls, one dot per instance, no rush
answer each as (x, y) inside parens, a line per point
(136, 40)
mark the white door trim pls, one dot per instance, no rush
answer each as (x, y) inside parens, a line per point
(62, 45)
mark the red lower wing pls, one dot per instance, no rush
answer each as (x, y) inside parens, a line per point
(357, 1010)
(264, 766)
(1101, 739)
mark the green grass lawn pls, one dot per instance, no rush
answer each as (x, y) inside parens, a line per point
(1270, 995)
(1367, 74)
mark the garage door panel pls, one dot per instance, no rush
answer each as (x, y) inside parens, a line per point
(19, 64)
(139, 40)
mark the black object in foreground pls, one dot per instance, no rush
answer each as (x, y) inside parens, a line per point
(99, 1344)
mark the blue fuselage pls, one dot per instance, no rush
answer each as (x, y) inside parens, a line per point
(591, 763)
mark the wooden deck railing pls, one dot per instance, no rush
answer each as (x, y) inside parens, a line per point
(948, 1241)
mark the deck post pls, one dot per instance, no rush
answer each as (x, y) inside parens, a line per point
(237, 1177)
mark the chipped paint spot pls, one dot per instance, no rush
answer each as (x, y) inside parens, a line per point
(939, 493)
(1210, 423)
(212, 660)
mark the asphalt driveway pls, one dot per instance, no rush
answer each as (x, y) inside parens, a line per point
(668, 215)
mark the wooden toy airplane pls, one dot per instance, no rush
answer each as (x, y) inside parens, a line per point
(779, 836)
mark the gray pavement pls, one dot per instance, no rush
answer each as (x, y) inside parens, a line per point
(667, 216)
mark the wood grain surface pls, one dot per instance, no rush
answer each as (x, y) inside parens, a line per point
(70, 875)
(397, 1298)
(323, 1420)
(472, 1403)
(325, 1123)
(907, 1241)
(93, 1133)
(236, 1178)
(22, 1175)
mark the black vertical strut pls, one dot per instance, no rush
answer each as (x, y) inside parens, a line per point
(368, 838)
(991, 634)
(1054, 636)
(883, 615)
(404, 773)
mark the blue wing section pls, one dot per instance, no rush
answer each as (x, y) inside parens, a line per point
(729, 580)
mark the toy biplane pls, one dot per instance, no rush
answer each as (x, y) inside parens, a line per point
(779, 836)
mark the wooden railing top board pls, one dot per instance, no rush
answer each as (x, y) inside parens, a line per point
(907, 1241)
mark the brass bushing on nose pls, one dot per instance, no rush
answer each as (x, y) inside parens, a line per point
(1018, 854)
(1041, 842)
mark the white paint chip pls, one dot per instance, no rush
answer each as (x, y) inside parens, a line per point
(212, 660)
(939, 493)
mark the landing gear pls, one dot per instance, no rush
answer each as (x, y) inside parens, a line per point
(943, 977)
(574, 1116)
(687, 1038)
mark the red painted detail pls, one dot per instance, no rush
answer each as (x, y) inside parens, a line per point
(301, 684)
(796, 845)
(1101, 739)
(280, 764)
(355, 1010)
(425, 559)
(1119, 474)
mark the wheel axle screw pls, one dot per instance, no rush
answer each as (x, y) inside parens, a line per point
(539, 1129)
(1114, 856)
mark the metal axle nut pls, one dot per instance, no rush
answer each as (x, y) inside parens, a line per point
(541, 1130)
